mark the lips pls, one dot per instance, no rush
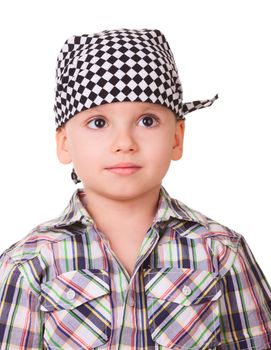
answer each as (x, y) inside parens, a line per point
(124, 168)
(123, 165)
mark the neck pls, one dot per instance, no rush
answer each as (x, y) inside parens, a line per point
(112, 213)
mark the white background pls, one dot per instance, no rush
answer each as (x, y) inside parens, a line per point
(219, 46)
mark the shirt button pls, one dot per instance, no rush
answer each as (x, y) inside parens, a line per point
(70, 294)
(186, 290)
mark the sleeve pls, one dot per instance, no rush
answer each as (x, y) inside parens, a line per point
(20, 317)
(245, 304)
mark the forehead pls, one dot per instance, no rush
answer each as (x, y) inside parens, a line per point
(129, 108)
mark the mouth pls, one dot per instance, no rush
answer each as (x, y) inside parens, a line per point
(124, 165)
(124, 170)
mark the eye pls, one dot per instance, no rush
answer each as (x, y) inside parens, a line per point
(148, 120)
(98, 122)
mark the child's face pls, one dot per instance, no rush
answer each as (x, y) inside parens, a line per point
(142, 133)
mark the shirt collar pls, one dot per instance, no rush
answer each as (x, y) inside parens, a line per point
(171, 207)
(168, 208)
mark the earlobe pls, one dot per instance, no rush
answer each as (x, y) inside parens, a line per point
(62, 146)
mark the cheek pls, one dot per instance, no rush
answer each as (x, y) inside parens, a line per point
(82, 148)
(161, 145)
(159, 154)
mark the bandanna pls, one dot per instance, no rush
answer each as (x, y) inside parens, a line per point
(118, 65)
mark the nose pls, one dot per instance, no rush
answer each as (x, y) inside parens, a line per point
(124, 141)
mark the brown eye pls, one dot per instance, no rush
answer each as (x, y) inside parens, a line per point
(149, 120)
(97, 122)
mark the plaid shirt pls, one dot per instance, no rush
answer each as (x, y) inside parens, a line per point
(196, 285)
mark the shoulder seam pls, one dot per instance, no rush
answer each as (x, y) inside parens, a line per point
(35, 253)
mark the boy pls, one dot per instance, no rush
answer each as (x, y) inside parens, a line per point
(125, 266)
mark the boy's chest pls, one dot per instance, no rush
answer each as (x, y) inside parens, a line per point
(168, 291)
(133, 250)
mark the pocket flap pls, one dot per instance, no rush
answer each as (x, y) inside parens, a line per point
(181, 285)
(73, 288)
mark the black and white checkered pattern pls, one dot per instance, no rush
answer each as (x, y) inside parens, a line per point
(118, 65)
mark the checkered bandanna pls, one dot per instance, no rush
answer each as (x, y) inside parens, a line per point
(118, 65)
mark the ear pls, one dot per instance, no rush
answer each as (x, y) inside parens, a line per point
(177, 150)
(62, 146)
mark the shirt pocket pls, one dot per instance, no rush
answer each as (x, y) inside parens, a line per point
(77, 310)
(183, 307)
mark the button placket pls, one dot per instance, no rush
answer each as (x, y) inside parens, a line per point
(130, 300)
